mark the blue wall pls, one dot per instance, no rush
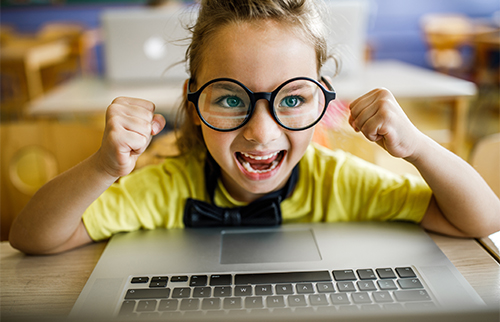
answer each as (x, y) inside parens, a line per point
(394, 31)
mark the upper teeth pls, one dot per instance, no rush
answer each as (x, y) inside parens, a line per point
(261, 157)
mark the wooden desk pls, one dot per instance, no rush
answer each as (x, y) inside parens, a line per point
(49, 285)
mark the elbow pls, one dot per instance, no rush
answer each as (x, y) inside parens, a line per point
(26, 242)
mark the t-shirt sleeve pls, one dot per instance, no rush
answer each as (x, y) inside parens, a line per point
(374, 193)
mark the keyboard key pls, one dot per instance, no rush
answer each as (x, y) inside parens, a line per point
(147, 293)
(232, 303)
(325, 287)
(404, 272)
(222, 291)
(179, 279)
(366, 286)
(305, 288)
(284, 289)
(318, 299)
(159, 281)
(190, 304)
(274, 278)
(146, 306)
(138, 280)
(275, 301)
(385, 273)
(127, 308)
(346, 287)
(202, 292)
(297, 300)
(168, 305)
(181, 292)
(361, 298)
(411, 295)
(244, 290)
(387, 285)
(340, 298)
(216, 280)
(382, 297)
(198, 280)
(263, 289)
(210, 304)
(344, 275)
(410, 283)
(254, 302)
(366, 274)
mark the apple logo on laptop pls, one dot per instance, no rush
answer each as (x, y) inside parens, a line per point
(154, 48)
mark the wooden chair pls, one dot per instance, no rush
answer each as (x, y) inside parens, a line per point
(446, 35)
(33, 153)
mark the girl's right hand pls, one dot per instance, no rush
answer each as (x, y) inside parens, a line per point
(130, 126)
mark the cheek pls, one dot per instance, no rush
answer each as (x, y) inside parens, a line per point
(218, 143)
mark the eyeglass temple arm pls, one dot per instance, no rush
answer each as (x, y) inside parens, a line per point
(331, 92)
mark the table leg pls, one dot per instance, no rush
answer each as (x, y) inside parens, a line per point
(460, 109)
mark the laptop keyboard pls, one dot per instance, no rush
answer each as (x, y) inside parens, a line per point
(339, 290)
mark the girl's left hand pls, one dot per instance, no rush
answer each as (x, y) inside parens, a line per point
(379, 117)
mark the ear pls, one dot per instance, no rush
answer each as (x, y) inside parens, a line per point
(194, 115)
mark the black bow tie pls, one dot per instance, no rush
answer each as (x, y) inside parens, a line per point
(264, 211)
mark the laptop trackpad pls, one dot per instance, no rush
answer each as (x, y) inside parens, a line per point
(268, 246)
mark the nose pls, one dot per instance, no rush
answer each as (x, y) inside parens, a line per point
(262, 128)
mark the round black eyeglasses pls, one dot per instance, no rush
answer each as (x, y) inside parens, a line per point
(224, 104)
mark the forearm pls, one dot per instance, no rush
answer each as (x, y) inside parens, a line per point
(53, 215)
(462, 196)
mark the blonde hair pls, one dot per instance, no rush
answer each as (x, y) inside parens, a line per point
(303, 15)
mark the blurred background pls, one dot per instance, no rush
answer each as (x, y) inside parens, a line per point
(64, 61)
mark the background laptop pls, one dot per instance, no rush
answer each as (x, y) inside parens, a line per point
(369, 270)
(146, 45)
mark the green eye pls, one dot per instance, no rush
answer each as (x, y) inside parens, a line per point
(233, 101)
(290, 101)
(230, 102)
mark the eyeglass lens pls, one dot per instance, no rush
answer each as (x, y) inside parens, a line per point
(226, 105)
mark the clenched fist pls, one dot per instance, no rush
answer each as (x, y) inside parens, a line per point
(379, 117)
(130, 126)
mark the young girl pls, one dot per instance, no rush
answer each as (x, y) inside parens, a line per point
(252, 101)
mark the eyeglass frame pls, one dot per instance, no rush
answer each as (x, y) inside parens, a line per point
(194, 97)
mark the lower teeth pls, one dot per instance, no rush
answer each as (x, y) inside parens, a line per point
(249, 168)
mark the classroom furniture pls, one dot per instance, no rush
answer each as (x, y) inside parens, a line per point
(91, 96)
(31, 64)
(35, 287)
(33, 152)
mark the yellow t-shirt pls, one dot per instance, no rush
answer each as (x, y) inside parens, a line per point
(332, 186)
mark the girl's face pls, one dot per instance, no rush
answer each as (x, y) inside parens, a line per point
(259, 157)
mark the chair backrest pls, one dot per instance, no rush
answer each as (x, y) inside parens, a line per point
(485, 158)
(33, 153)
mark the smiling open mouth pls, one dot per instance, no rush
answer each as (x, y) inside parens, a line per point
(260, 164)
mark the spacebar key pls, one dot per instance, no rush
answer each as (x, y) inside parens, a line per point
(292, 277)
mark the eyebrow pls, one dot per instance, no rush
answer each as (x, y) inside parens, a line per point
(295, 87)
(228, 86)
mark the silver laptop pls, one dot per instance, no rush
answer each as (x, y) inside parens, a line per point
(383, 271)
(144, 45)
